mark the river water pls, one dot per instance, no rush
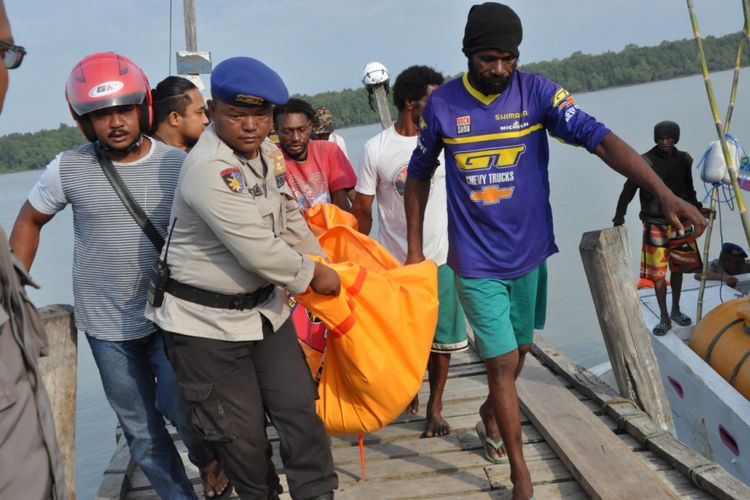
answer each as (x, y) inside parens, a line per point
(584, 195)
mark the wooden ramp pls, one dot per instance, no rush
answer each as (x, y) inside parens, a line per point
(573, 450)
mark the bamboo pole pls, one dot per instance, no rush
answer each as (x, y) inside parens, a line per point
(735, 83)
(706, 244)
(717, 121)
(722, 135)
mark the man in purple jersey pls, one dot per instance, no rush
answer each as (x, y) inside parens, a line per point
(492, 125)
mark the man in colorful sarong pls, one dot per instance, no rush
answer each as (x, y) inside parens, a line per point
(663, 247)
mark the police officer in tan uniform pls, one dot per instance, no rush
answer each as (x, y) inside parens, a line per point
(31, 466)
(238, 240)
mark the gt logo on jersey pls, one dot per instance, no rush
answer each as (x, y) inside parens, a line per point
(422, 124)
(562, 98)
(490, 195)
(488, 158)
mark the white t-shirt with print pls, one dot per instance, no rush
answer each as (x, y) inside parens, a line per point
(383, 175)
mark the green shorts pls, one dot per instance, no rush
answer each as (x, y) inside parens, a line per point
(504, 313)
(450, 334)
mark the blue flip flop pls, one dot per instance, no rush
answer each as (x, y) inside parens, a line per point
(496, 445)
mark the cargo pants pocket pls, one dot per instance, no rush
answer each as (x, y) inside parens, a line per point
(8, 395)
(206, 411)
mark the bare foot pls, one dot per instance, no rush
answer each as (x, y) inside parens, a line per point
(523, 489)
(435, 425)
(492, 432)
(413, 407)
(215, 481)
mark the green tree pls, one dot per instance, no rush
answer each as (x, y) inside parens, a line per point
(578, 73)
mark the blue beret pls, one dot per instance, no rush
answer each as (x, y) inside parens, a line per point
(244, 81)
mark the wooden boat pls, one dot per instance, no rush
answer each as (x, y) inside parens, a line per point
(709, 415)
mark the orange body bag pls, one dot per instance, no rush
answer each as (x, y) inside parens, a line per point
(380, 327)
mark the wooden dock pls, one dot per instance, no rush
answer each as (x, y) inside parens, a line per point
(581, 440)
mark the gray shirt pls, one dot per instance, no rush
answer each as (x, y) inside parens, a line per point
(112, 255)
(238, 229)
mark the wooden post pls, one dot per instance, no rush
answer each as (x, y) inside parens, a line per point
(381, 99)
(59, 370)
(191, 39)
(606, 260)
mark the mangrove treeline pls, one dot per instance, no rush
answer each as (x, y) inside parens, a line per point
(577, 73)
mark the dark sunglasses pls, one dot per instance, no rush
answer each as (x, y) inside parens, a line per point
(12, 54)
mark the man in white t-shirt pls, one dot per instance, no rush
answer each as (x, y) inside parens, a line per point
(382, 175)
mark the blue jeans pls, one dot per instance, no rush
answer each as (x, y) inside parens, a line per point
(140, 386)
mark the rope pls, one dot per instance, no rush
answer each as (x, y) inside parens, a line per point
(737, 368)
(615, 401)
(712, 344)
(623, 419)
(694, 472)
(656, 434)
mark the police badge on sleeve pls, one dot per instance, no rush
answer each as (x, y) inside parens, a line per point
(233, 179)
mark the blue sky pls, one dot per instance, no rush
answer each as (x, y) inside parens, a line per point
(316, 45)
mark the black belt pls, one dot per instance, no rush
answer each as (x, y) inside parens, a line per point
(219, 300)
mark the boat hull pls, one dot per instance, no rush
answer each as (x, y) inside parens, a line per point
(709, 414)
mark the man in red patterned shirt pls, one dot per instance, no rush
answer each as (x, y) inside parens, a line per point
(316, 171)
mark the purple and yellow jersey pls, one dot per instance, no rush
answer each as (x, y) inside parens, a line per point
(496, 154)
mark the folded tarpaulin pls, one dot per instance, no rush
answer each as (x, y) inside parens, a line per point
(380, 330)
(324, 216)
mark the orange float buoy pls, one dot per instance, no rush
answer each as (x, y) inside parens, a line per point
(722, 339)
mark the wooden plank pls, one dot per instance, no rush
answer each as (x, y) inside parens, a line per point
(59, 370)
(113, 482)
(606, 260)
(564, 423)
(412, 447)
(565, 490)
(409, 430)
(410, 467)
(472, 386)
(542, 472)
(465, 370)
(682, 485)
(465, 407)
(381, 100)
(430, 465)
(708, 476)
(451, 408)
(465, 484)
(452, 485)
(465, 357)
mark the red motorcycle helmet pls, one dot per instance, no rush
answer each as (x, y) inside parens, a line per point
(105, 80)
